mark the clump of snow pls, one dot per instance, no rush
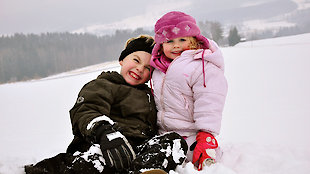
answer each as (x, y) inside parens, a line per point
(165, 163)
(167, 151)
(98, 119)
(153, 141)
(177, 151)
(87, 156)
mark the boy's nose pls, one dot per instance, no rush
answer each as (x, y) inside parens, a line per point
(140, 68)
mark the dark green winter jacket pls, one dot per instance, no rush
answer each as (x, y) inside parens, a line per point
(131, 107)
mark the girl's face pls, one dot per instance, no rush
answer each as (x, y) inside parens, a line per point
(173, 48)
(135, 68)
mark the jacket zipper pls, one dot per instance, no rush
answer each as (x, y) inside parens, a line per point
(162, 103)
(162, 97)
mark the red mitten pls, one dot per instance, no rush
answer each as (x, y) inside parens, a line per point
(204, 152)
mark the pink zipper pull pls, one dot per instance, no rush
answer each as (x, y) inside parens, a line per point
(203, 68)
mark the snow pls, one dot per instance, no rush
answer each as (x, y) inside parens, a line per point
(265, 127)
(98, 119)
(177, 152)
(93, 150)
(256, 25)
(274, 23)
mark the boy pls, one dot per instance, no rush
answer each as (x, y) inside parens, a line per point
(112, 118)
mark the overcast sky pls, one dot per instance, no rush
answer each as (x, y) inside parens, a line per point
(39, 16)
(65, 15)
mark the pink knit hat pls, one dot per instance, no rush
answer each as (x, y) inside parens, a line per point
(170, 26)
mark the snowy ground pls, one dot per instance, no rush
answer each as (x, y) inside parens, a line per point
(265, 126)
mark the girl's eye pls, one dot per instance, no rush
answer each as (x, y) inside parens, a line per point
(182, 39)
(169, 41)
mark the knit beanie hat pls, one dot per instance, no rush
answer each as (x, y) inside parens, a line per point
(170, 26)
(138, 44)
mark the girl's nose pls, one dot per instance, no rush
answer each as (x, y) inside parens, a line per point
(176, 45)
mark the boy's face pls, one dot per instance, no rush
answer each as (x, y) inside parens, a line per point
(135, 68)
(173, 48)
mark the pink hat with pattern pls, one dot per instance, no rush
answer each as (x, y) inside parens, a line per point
(170, 26)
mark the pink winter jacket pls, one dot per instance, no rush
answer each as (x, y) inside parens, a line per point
(184, 105)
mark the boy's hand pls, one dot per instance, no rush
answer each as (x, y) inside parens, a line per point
(115, 148)
(204, 152)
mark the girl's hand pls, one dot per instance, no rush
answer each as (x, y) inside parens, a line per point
(204, 152)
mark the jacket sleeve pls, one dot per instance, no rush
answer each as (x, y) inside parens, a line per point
(209, 101)
(91, 108)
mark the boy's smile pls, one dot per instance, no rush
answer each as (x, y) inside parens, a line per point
(134, 75)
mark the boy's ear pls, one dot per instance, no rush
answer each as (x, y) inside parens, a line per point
(121, 62)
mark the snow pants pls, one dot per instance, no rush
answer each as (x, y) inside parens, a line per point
(160, 152)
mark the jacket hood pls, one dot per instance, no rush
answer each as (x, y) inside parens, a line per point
(213, 55)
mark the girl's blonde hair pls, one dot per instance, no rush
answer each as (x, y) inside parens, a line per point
(195, 44)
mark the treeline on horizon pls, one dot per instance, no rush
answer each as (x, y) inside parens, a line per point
(24, 57)
(30, 56)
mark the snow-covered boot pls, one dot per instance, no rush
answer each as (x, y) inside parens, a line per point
(161, 152)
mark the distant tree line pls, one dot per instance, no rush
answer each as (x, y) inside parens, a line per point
(24, 57)
(214, 30)
(29, 56)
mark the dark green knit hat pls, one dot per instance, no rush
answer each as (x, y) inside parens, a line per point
(139, 44)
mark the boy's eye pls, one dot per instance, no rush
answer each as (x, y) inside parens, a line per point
(136, 60)
(148, 68)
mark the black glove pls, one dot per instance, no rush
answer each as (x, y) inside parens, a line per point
(115, 148)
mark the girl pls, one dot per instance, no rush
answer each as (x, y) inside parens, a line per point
(189, 85)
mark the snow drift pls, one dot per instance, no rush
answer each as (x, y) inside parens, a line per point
(265, 126)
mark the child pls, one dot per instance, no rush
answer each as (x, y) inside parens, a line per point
(189, 85)
(112, 118)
